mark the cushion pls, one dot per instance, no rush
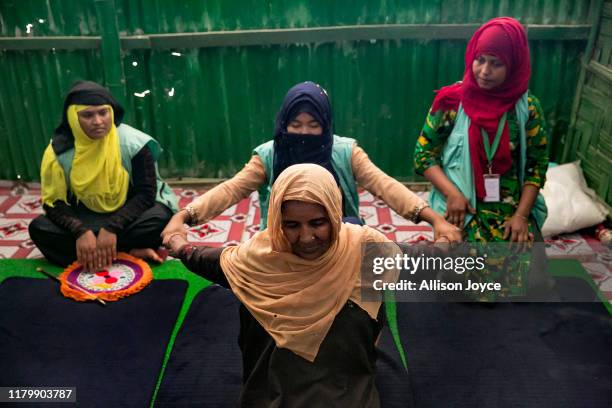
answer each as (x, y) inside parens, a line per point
(571, 204)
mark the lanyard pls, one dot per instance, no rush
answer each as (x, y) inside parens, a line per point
(491, 150)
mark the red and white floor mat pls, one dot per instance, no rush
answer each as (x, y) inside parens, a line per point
(20, 203)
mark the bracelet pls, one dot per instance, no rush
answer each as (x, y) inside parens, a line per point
(522, 216)
(174, 234)
(417, 212)
(191, 214)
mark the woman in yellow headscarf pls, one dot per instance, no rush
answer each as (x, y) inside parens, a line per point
(304, 323)
(100, 187)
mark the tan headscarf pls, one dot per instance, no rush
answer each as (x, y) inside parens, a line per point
(294, 299)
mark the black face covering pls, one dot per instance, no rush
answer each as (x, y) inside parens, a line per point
(291, 148)
(83, 93)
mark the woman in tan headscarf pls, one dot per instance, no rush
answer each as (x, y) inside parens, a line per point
(307, 333)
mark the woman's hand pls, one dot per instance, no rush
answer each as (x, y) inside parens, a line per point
(456, 208)
(175, 242)
(456, 203)
(446, 232)
(443, 230)
(86, 250)
(517, 228)
(107, 248)
(175, 227)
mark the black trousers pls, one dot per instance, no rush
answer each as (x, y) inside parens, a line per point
(58, 245)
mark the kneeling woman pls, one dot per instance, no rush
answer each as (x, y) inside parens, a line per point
(306, 337)
(484, 148)
(101, 190)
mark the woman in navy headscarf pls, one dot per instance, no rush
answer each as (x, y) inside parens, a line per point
(303, 130)
(304, 134)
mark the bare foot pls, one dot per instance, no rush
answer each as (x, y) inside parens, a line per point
(148, 254)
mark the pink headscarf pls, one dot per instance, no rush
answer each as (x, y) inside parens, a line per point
(505, 38)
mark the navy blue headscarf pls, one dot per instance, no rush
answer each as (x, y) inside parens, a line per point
(291, 148)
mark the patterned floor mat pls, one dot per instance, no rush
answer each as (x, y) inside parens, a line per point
(20, 203)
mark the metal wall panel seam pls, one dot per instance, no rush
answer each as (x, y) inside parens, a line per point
(426, 32)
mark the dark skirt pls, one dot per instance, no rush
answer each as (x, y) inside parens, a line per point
(58, 245)
(342, 374)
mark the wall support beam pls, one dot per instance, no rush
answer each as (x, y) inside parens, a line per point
(240, 38)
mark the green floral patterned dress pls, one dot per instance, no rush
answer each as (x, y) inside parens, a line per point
(487, 224)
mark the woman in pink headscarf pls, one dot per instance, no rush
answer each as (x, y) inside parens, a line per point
(484, 143)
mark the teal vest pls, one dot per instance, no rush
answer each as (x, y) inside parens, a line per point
(342, 153)
(456, 164)
(131, 142)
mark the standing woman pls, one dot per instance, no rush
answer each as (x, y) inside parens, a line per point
(484, 143)
(304, 134)
(101, 190)
(307, 337)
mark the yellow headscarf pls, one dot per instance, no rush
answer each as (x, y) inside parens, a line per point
(294, 299)
(97, 177)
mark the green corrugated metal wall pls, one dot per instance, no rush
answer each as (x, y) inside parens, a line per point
(209, 105)
(592, 134)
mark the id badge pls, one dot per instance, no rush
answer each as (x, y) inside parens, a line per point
(491, 184)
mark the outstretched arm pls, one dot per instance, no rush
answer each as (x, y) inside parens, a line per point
(215, 201)
(204, 261)
(399, 197)
(395, 194)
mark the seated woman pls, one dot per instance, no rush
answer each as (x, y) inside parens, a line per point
(304, 134)
(484, 144)
(101, 190)
(307, 337)
(505, 139)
